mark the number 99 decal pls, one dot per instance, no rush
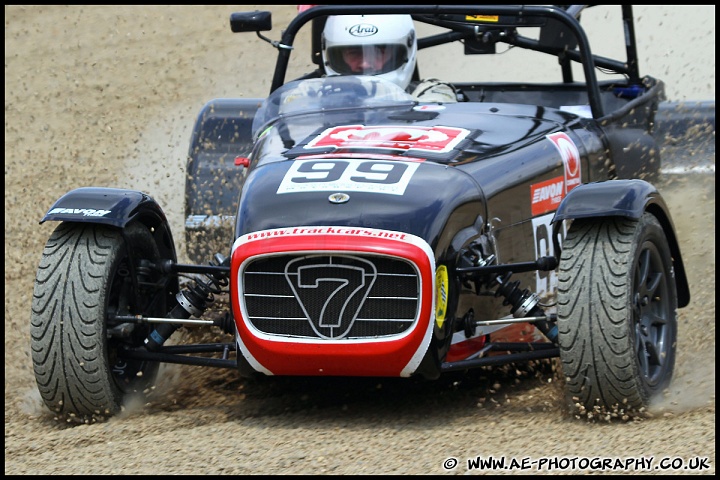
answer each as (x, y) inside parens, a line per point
(348, 175)
(546, 282)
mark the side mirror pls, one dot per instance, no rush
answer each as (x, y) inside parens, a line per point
(257, 21)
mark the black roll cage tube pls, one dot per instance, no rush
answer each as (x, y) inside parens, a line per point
(521, 13)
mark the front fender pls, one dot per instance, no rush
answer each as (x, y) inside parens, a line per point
(115, 207)
(625, 198)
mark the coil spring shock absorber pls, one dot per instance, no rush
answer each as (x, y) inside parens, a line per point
(193, 300)
(525, 304)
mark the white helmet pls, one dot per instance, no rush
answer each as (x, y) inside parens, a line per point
(382, 45)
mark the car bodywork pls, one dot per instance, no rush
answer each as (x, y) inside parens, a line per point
(360, 231)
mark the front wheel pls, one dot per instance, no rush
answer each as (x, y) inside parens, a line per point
(617, 314)
(89, 273)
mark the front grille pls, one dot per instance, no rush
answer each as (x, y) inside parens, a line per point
(331, 296)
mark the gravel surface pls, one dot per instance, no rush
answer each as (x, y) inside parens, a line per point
(106, 96)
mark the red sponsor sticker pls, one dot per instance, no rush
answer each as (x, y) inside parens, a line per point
(435, 139)
(371, 156)
(571, 158)
(546, 196)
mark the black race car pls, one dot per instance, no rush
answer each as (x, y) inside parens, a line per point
(356, 230)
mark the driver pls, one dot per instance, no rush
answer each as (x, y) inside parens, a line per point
(381, 45)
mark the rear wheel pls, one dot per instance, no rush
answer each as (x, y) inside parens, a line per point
(86, 276)
(617, 314)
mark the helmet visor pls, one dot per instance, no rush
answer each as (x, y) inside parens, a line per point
(366, 59)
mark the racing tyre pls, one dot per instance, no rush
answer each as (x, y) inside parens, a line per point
(84, 278)
(617, 314)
